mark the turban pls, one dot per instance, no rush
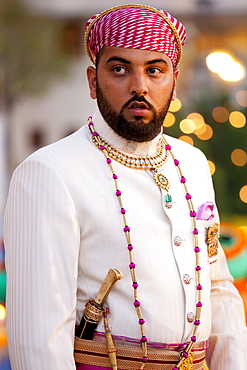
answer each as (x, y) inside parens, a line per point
(135, 26)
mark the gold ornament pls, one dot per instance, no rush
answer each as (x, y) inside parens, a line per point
(187, 363)
(212, 239)
(161, 181)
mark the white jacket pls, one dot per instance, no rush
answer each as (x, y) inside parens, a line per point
(64, 230)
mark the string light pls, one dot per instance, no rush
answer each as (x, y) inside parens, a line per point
(2, 312)
(169, 120)
(241, 98)
(220, 114)
(237, 119)
(239, 157)
(187, 139)
(207, 134)
(225, 66)
(243, 194)
(211, 167)
(175, 105)
(187, 126)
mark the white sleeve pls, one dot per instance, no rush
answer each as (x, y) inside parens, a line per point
(42, 244)
(228, 340)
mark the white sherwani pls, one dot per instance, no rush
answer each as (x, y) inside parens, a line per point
(64, 230)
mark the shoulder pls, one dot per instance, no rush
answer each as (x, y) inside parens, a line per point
(192, 160)
(185, 151)
(62, 151)
(64, 147)
(59, 159)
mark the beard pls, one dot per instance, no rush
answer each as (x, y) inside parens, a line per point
(136, 130)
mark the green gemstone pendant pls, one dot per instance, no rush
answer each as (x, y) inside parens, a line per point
(168, 198)
(168, 201)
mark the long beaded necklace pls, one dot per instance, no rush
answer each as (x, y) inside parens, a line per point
(186, 354)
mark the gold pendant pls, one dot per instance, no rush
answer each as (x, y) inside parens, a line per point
(212, 239)
(161, 181)
(187, 363)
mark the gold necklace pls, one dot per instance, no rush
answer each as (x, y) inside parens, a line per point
(140, 162)
(133, 161)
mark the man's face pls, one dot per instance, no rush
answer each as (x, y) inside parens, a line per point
(134, 89)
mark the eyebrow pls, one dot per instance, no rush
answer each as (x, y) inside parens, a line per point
(154, 61)
(123, 60)
(118, 59)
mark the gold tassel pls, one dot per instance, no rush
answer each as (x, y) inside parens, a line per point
(110, 347)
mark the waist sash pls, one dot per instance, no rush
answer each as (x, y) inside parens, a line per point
(90, 352)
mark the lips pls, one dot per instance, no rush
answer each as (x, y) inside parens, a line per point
(138, 109)
(138, 105)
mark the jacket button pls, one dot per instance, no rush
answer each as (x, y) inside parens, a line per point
(177, 241)
(190, 317)
(186, 279)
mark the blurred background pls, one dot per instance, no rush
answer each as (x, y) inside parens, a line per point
(44, 97)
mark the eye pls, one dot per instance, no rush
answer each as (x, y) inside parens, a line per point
(154, 71)
(120, 71)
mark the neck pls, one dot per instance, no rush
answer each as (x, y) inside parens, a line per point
(131, 147)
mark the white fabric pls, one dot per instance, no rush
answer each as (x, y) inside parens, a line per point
(64, 230)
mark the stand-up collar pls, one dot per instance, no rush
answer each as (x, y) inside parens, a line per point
(135, 148)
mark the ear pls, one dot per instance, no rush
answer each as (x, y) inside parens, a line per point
(176, 73)
(91, 77)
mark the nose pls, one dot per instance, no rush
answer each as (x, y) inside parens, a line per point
(138, 84)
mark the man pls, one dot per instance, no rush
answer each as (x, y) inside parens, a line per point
(119, 194)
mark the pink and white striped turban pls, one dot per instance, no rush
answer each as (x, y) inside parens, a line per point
(135, 26)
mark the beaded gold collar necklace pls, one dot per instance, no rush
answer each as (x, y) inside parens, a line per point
(132, 161)
(186, 356)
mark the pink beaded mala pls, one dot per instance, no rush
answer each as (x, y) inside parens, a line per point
(186, 352)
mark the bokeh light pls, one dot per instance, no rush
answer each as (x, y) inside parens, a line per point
(175, 105)
(187, 126)
(200, 130)
(187, 139)
(169, 120)
(225, 66)
(207, 134)
(2, 312)
(241, 98)
(216, 60)
(235, 73)
(237, 119)
(220, 114)
(239, 157)
(194, 116)
(199, 123)
(243, 194)
(211, 167)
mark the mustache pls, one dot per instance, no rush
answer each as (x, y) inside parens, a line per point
(138, 99)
